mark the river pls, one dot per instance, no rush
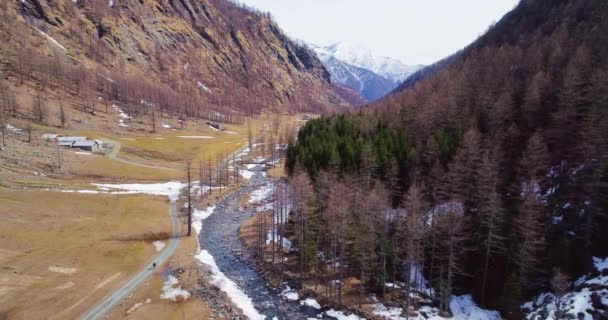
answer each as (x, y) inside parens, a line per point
(220, 237)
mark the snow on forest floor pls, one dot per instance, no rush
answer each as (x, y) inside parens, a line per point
(586, 300)
(122, 116)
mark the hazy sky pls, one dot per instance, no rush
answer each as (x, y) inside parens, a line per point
(415, 31)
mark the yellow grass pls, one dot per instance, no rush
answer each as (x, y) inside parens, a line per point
(58, 256)
(157, 308)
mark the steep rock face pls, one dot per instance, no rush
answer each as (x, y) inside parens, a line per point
(230, 50)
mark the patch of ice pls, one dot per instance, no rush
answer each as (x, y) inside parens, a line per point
(230, 132)
(171, 290)
(159, 245)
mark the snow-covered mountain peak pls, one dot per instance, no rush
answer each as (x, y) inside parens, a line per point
(363, 57)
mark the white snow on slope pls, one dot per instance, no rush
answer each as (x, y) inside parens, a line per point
(171, 290)
(200, 84)
(13, 129)
(462, 308)
(577, 303)
(51, 39)
(122, 116)
(238, 297)
(362, 57)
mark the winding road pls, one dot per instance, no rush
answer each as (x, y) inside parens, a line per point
(116, 149)
(98, 311)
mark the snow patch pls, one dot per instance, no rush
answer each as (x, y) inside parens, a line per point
(341, 315)
(159, 245)
(600, 264)
(311, 303)
(171, 290)
(198, 216)
(260, 194)
(195, 137)
(51, 39)
(200, 84)
(122, 116)
(246, 174)
(238, 297)
(170, 189)
(290, 294)
(62, 270)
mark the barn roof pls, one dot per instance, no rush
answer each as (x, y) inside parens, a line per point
(85, 143)
(63, 139)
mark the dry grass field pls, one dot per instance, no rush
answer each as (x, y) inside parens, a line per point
(60, 252)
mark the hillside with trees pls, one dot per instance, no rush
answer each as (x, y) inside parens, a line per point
(178, 58)
(489, 174)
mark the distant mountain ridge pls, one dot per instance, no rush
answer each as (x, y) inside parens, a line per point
(358, 68)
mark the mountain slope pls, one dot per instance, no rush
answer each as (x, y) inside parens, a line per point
(224, 55)
(370, 85)
(510, 138)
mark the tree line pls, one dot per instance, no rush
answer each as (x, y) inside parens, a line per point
(490, 175)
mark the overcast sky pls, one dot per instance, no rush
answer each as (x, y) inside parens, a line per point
(415, 31)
